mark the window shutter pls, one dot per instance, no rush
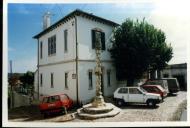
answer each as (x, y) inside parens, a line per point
(55, 44)
(48, 46)
(41, 48)
(103, 40)
(93, 39)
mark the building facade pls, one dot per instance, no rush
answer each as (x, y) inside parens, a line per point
(66, 57)
(178, 71)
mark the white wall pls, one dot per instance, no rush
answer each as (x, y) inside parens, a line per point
(20, 100)
(85, 52)
(59, 79)
(84, 37)
(87, 94)
(60, 53)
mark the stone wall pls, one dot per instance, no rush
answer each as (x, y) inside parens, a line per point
(20, 100)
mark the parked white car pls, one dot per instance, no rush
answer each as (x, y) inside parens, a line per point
(135, 95)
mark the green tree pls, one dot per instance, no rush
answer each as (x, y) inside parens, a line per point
(138, 47)
(27, 79)
(14, 79)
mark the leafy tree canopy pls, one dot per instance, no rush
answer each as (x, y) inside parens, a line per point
(27, 78)
(138, 47)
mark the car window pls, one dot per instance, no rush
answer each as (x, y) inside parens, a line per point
(172, 82)
(152, 89)
(160, 88)
(156, 89)
(143, 89)
(122, 90)
(45, 100)
(64, 97)
(134, 91)
(156, 82)
(148, 89)
(54, 98)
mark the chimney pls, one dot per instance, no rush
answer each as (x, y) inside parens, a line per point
(46, 20)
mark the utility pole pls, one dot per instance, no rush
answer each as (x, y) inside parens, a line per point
(11, 75)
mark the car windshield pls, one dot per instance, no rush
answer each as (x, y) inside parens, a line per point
(45, 100)
(64, 97)
(160, 88)
(144, 91)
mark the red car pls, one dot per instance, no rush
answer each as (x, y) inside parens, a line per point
(155, 89)
(55, 104)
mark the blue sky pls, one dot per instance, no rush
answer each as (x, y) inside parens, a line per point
(25, 21)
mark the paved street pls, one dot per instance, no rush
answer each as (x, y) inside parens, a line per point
(184, 115)
(163, 112)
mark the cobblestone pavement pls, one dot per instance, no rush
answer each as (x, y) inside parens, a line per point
(163, 112)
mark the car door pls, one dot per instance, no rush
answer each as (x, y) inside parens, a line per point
(65, 100)
(135, 95)
(123, 94)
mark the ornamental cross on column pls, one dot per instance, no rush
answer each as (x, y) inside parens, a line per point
(98, 100)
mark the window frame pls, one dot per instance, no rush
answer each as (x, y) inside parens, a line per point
(66, 40)
(41, 79)
(136, 89)
(109, 78)
(66, 80)
(90, 79)
(52, 45)
(93, 36)
(120, 91)
(52, 80)
(41, 49)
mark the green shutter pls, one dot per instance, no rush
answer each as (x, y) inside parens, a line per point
(93, 39)
(103, 40)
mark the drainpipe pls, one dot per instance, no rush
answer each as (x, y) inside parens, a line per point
(77, 95)
(38, 72)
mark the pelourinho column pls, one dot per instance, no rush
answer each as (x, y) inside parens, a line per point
(98, 100)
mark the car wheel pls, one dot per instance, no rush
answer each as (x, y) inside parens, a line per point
(119, 102)
(64, 110)
(150, 103)
(45, 115)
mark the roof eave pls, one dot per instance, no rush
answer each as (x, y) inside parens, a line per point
(73, 14)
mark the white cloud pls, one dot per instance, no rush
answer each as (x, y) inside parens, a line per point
(24, 64)
(11, 49)
(173, 18)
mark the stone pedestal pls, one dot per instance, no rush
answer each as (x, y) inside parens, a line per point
(90, 112)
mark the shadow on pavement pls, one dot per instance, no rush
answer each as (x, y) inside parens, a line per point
(172, 94)
(138, 106)
(31, 113)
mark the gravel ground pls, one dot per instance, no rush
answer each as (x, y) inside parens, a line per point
(163, 112)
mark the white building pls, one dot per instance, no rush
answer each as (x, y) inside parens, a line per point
(66, 57)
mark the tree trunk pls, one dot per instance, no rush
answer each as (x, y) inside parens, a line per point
(158, 74)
